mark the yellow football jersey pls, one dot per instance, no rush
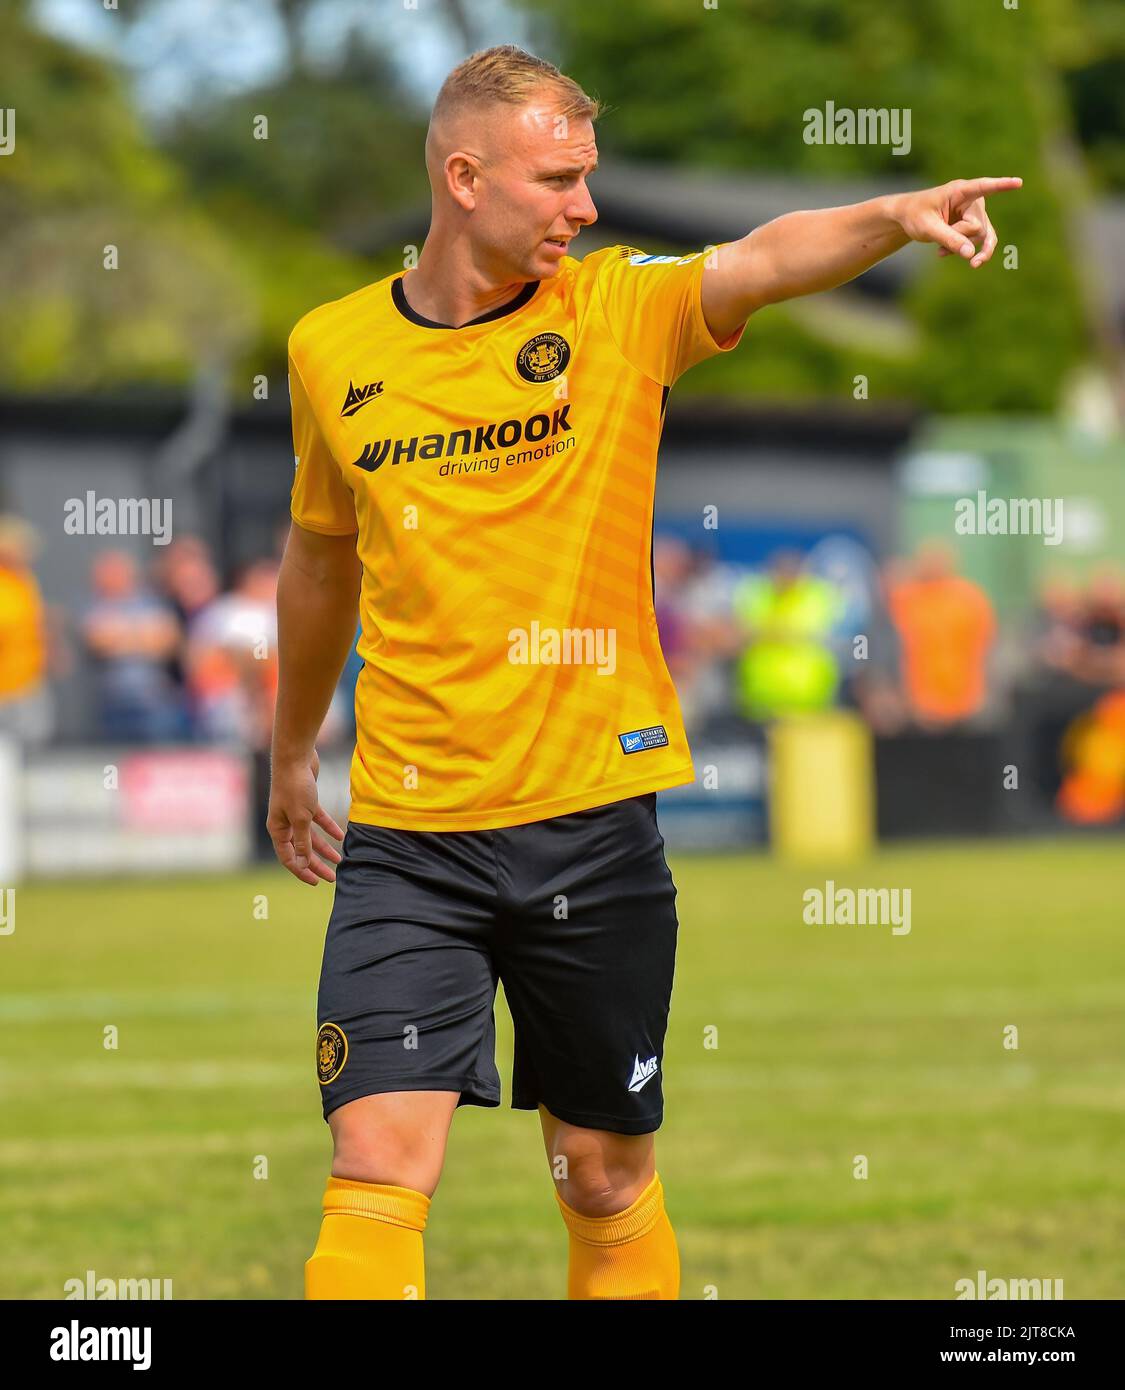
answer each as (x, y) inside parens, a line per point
(499, 480)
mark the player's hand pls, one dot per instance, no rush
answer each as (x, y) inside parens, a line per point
(953, 215)
(294, 812)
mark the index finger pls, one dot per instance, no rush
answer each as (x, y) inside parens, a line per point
(981, 188)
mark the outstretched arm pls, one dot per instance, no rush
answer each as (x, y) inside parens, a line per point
(804, 252)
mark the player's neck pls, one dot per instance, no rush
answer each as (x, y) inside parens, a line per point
(446, 288)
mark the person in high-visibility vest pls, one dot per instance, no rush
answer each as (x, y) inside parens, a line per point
(788, 666)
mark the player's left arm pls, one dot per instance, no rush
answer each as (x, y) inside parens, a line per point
(805, 252)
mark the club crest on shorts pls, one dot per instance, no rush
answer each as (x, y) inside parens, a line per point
(331, 1052)
(543, 357)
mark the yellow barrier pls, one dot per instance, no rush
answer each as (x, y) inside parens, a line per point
(822, 787)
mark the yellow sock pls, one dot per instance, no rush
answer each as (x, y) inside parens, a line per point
(370, 1242)
(631, 1254)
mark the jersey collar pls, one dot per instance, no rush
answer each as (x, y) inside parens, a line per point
(398, 297)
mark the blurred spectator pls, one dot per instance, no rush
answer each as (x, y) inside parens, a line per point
(1093, 757)
(1102, 631)
(947, 628)
(788, 616)
(864, 639)
(698, 635)
(874, 680)
(340, 723)
(671, 565)
(707, 604)
(232, 659)
(679, 639)
(232, 666)
(1085, 633)
(1057, 639)
(185, 576)
(130, 636)
(26, 712)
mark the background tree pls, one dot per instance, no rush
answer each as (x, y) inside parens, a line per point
(726, 88)
(226, 240)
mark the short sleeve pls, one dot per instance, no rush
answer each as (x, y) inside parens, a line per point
(653, 306)
(320, 499)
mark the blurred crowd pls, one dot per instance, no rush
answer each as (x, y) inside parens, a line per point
(167, 653)
(911, 644)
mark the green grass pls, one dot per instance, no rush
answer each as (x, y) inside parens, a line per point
(831, 1042)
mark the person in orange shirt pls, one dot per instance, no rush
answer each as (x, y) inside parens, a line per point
(1093, 758)
(25, 704)
(947, 628)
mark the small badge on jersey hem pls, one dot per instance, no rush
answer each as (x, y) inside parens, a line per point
(543, 357)
(640, 740)
(331, 1052)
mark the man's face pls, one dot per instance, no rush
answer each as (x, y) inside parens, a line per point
(934, 563)
(532, 198)
(114, 575)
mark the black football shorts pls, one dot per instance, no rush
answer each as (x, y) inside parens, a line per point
(574, 914)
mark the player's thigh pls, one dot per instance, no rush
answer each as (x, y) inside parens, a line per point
(588, 969)
(407, 983)
(397, 1137)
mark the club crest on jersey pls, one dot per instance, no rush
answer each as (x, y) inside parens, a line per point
(358, 396)
(331, 1052)
(543, 357)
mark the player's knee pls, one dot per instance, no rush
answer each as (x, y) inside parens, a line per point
(599, 1173)
(385, 1153)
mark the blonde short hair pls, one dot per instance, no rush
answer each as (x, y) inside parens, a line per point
(509, 76)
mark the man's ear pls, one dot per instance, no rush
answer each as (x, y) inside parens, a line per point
(462, 176)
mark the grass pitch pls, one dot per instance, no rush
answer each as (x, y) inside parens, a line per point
(195, 1150)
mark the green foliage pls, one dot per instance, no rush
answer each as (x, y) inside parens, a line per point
(343, 150)
(80, 179)
(784, 360)
(225, 239)
(996, 338)
(1097, 95)
(342, 164)
(728, 87)
(221, 238)
(1086, 42)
